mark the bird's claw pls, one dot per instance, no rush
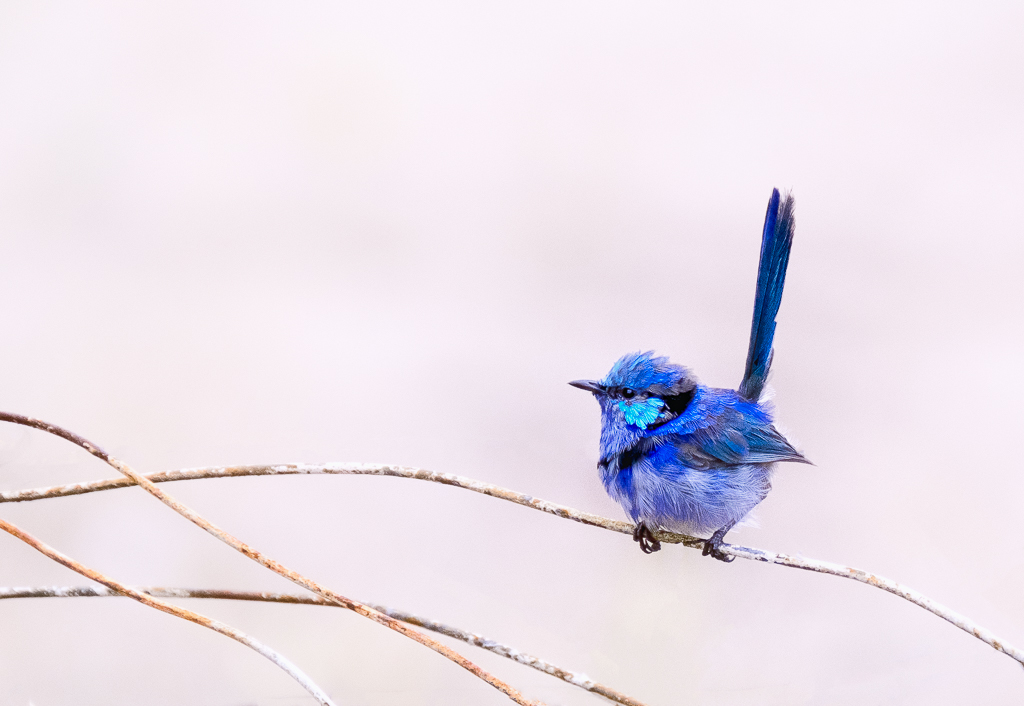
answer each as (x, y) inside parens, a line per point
(713, 547)
(648, 543)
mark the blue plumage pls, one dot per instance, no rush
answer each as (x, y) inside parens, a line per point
(776, 241)
(681, 456)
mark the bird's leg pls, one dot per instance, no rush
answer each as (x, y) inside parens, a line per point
(713, 546)
(643, 534)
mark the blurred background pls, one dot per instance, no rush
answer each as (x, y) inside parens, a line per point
(246, 232)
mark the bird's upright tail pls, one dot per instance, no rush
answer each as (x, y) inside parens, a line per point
(776, 241)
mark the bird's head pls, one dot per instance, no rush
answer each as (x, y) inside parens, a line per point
(642, 391)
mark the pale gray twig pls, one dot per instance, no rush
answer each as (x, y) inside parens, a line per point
(117, 588)
(563, 511)
(257, 556)
(474, 639)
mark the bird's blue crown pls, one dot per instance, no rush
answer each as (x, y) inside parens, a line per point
(646, 372)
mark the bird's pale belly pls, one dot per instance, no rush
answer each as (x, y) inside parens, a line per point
(689, 501)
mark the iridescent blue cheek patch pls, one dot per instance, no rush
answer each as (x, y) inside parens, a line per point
(641, 413)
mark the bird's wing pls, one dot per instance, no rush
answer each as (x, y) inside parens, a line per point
(720, 429)
(729, 437)
(766, 445)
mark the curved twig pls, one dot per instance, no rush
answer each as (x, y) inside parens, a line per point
(348, 469)
(117, 588)
(266, 561)
(563, 511)
(576, 679)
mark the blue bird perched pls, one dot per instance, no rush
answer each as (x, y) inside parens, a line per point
(685, 457)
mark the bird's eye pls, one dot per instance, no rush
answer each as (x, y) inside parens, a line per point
(628, 393)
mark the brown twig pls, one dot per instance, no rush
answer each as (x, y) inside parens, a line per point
(474, 639)
(563, 511)
(266, 561)
(118, 588)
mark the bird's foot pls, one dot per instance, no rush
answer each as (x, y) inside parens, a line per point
(713, 546)
(643, 534)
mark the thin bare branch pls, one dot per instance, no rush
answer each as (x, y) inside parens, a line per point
(118, 588)
(563, 511)
(352, 469)
(576, 679)
(266, 561)
(915, 597)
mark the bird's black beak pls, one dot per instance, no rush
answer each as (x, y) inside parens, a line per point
(588, 385)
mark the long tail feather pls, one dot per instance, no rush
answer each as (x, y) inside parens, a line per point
(776, 241)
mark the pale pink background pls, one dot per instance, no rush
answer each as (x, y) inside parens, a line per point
(255, 232)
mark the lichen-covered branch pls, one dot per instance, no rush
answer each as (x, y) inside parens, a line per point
(117, 588)
(563, 511)
(257, 556)
(574, 678)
